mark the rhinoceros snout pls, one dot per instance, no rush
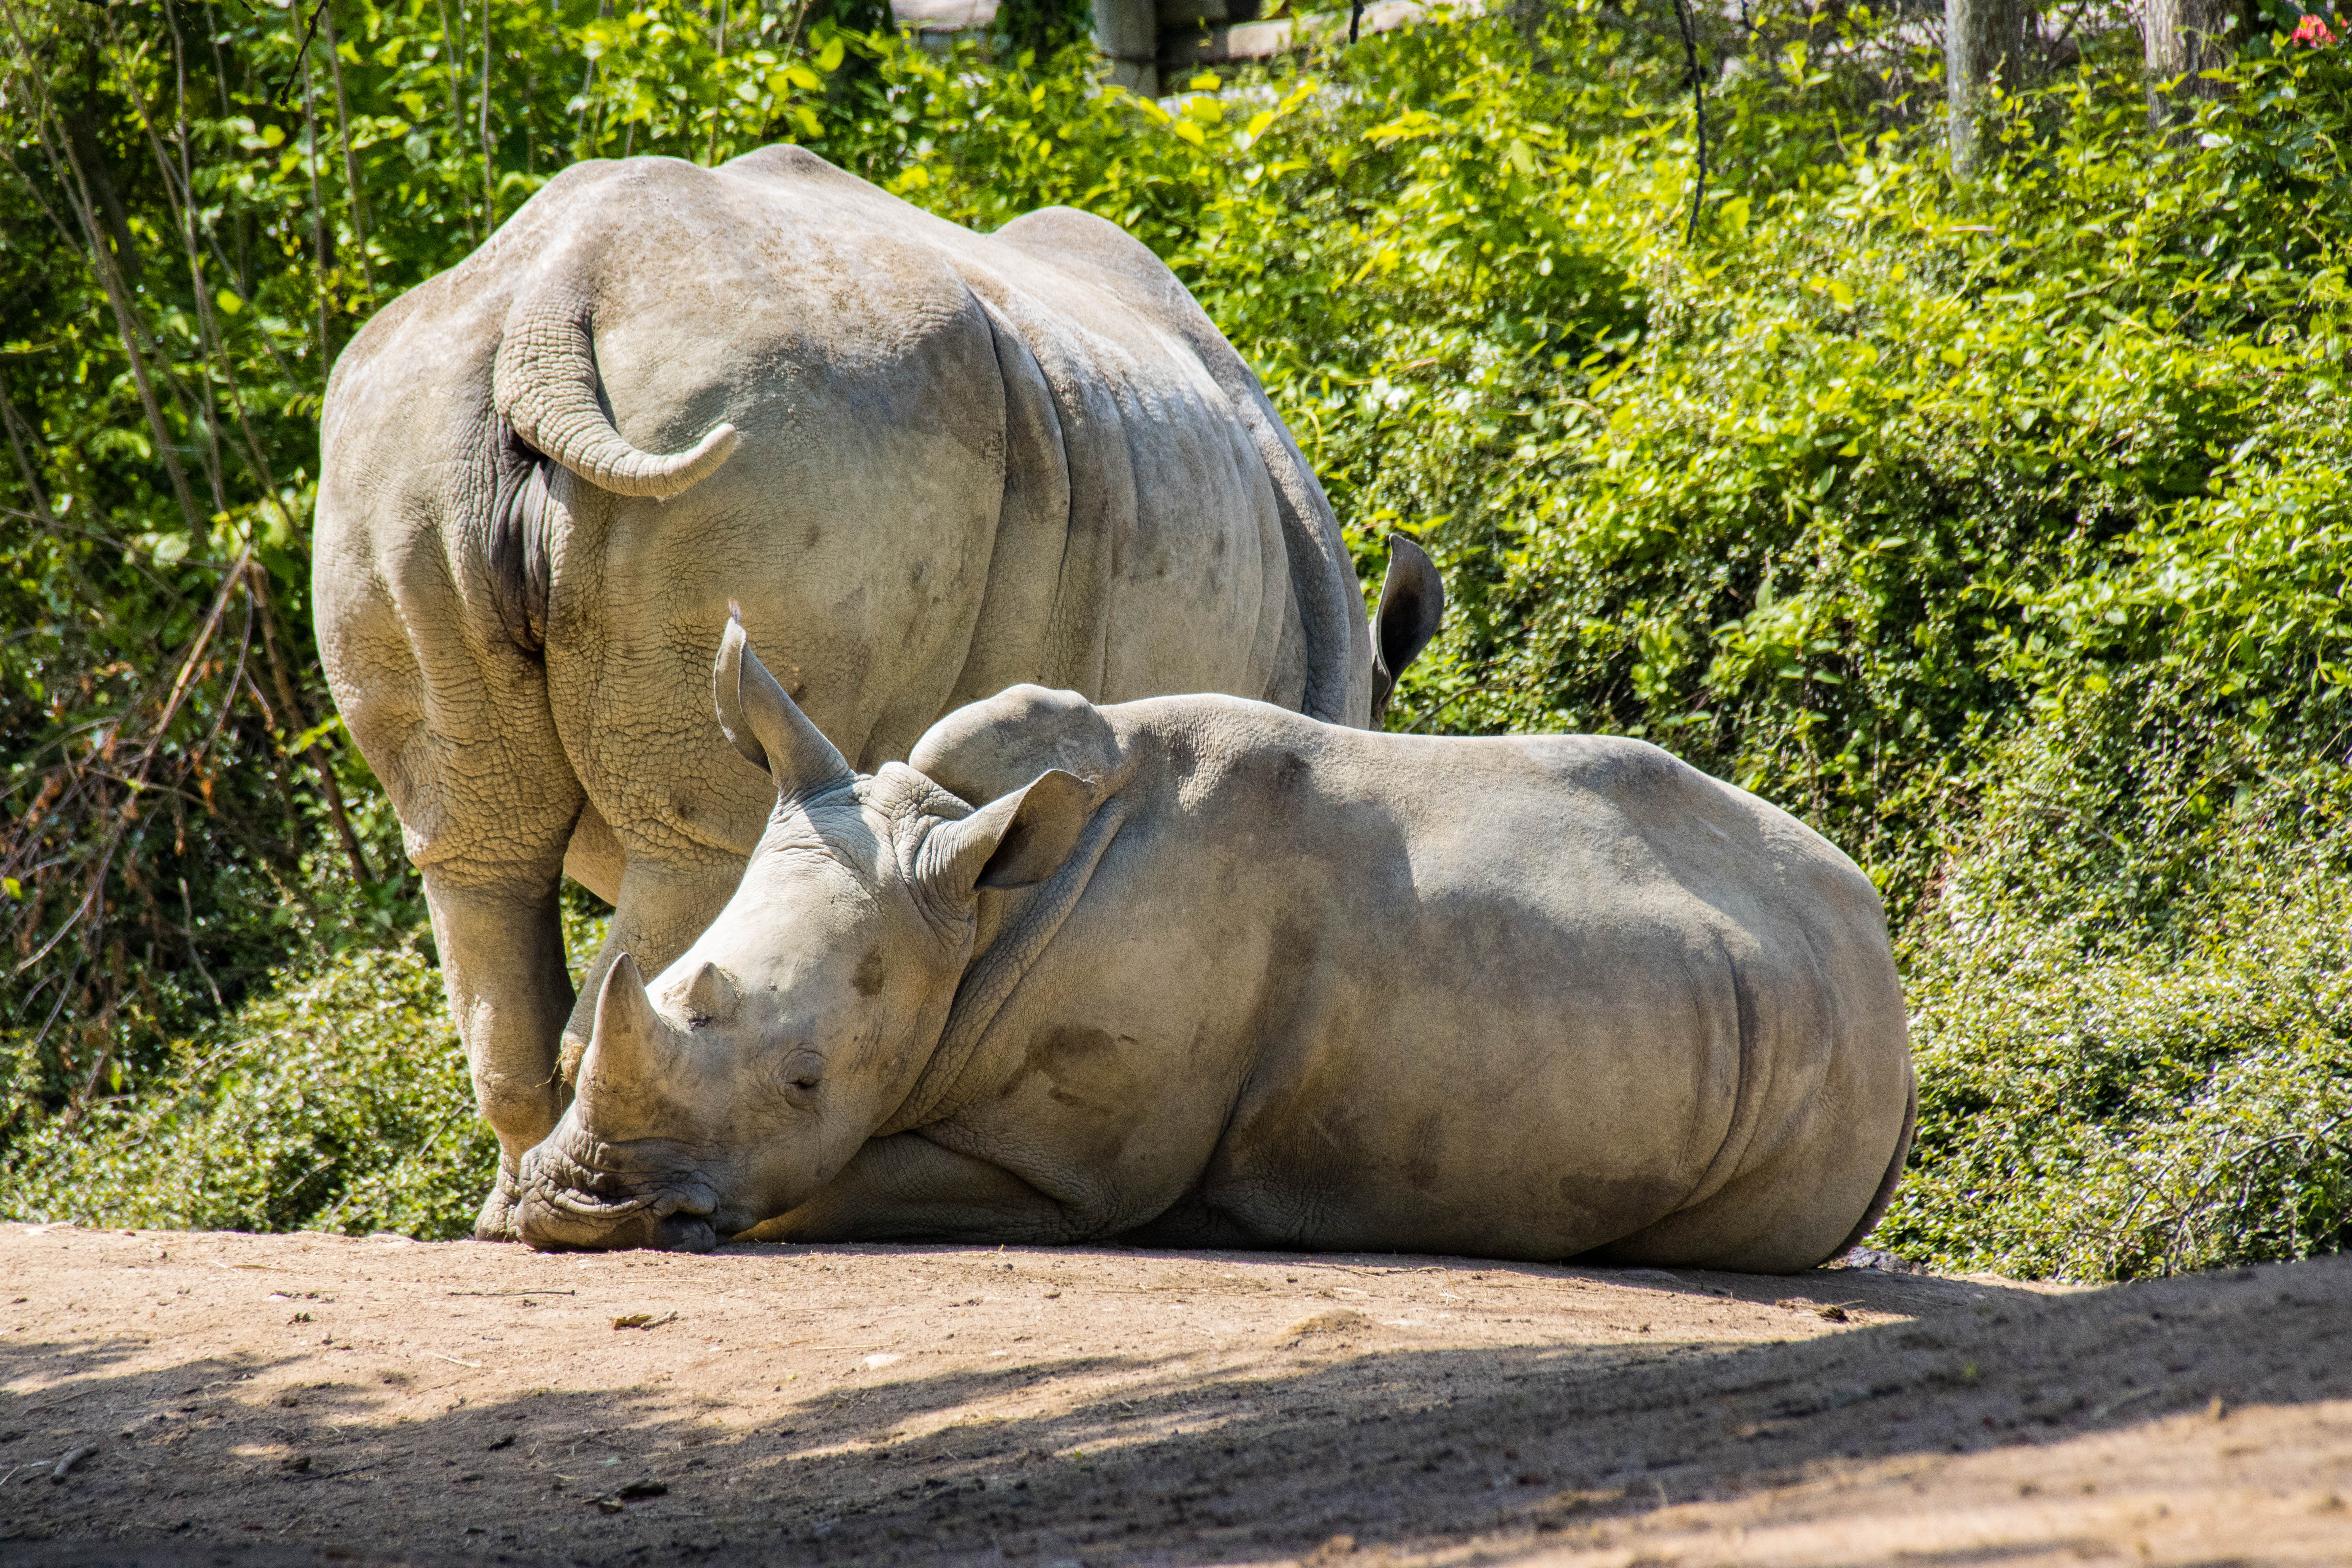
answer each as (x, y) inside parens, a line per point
(560, 1208)
(558, 1227)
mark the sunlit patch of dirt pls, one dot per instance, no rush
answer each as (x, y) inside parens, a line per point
(307, 1399)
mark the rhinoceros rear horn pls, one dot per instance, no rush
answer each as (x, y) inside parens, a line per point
(762, 721)
(632, 1059)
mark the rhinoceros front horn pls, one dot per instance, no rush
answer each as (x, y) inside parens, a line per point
(632, 1060)
(762, 720)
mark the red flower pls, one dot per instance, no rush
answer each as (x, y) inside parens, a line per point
(2312, 32)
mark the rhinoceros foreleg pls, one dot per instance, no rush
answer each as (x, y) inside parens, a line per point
(907, 1188)
(502, 962)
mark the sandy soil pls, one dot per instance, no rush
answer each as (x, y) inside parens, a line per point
(266, 1400)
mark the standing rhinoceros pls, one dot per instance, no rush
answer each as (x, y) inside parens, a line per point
(931, 464)
(1205, 972)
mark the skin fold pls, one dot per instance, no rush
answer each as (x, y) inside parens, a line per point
(928, 464)
(1198, 971)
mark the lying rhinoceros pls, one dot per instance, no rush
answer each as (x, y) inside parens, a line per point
(1203, 972)
(931, 463)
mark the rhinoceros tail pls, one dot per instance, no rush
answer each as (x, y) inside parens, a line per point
(521, 554)
(545, 385)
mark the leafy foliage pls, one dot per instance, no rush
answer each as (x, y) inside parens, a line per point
(2137, 1053)
(1997, 530)
(337, 1099)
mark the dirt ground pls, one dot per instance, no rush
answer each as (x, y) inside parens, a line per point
(263, 1400)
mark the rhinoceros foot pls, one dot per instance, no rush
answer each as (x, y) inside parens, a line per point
(497, 1220)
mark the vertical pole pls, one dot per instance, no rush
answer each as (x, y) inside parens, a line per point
(2182, 39)
(1127, 31)
(1980, 39)
(489, 161)
(1698, 111)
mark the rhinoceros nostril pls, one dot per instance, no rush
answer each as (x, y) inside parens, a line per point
(683, 1233)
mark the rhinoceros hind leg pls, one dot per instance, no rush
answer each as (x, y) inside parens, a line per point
(1885, 1194)
(594, 858)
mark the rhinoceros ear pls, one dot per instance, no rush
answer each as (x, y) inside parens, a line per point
(763, 722)
(1412, 602)
(1013, 842)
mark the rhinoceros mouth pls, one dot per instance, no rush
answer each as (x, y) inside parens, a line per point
(582, 1205)
(567, 1204)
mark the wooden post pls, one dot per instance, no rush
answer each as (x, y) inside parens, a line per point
(2182, 39)
(1980, 48)
(1152, 43)
(1127, 33)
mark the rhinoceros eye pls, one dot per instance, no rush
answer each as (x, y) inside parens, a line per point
(804, 1071)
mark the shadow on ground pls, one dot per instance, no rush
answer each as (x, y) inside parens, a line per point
(1411, 1449)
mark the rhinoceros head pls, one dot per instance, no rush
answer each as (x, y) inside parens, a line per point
(738, 1081)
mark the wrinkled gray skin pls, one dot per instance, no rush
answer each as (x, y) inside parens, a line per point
(930, 464)
(1202, 971)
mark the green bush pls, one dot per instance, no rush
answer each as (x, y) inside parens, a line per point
(337, 1100)
(2111, 1115)
(2134, 1033)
